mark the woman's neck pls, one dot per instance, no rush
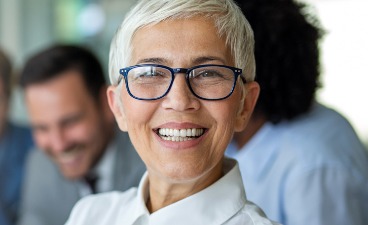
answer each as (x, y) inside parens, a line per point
(164, 192)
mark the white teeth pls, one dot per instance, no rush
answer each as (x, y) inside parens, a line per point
(69, 155)
(176, 133)
(183, 133)
(176, 138)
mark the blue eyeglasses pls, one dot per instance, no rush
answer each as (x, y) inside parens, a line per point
(207, 82)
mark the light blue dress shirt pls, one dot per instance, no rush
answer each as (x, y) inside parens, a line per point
(309, 171)
(15, 144)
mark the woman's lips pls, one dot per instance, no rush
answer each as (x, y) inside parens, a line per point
(180, 135)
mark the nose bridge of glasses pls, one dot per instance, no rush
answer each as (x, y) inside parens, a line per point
(180, 70)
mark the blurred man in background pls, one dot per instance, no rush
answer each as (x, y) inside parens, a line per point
(15, 143)
(81, 150)
(300, 161)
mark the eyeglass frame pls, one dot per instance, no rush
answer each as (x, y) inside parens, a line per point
(124, 73)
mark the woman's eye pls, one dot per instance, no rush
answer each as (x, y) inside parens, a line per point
(207, 74)
(150, 74)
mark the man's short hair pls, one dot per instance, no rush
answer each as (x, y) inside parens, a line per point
(55, 60)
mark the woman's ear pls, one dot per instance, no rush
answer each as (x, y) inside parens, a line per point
(116, 108)
(252, 90)
(104, 105)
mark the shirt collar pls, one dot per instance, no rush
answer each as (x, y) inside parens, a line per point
(104, 170)
(214, 205)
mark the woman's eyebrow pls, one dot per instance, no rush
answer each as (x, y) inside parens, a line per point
(195, 61)
(206, 59)
(152, 60)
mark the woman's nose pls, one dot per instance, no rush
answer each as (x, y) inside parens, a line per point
(180, 98)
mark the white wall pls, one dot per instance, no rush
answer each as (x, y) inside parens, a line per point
(345, 59)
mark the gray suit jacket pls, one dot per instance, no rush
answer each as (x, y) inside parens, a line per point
(48, 197)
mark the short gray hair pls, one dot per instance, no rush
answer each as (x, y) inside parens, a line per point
(228, 18)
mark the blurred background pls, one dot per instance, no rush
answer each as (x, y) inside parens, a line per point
(26, 26)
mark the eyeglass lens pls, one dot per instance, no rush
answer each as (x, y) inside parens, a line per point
(210, 82)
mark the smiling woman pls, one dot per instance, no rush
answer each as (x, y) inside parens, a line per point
(181, 108)
(182, 84)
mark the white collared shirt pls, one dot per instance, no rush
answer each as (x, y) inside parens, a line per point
(223, 202)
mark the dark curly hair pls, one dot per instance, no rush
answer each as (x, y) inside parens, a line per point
(287, 56)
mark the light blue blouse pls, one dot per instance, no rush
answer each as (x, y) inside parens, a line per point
(309, 171)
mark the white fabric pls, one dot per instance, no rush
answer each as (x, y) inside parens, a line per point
(223, 202)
